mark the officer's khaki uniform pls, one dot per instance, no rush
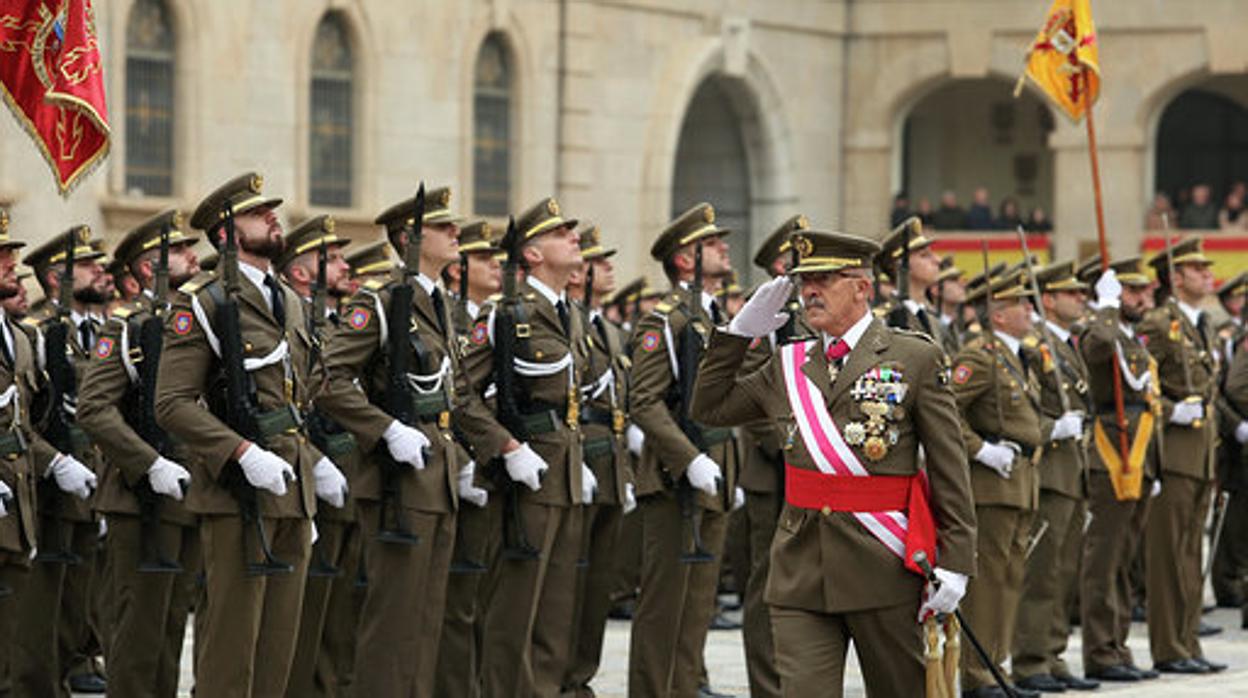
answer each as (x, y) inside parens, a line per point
(1176, 522)
(831, 581)
(149, 622)
(1236, 393)
(1043, 623)
(998, 400)
(1230, 559)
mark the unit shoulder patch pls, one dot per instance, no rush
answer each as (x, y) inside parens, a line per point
(359, 317)
(651, 341)
(961, 374)
(182, 323)
(104, 348)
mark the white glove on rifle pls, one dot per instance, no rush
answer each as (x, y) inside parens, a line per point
(168, 478)
(72, 476)
(738, 498)
(1186, 412)
(589, 485)
(468, 491)
(1108, 290)
(1068, 426)
(636, 439)
(630, 497)
(942, 598)
(999, 458)
(704, 474)
(6, 496)
(1156, 489)
(265, 470)
(525, 466)
(406, 445)
(764, 312)
(331, 484)
(1241, 432)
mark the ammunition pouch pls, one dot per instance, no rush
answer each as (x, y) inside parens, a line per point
(429, 407)
(598, 448)
(283, 420)
(543, 421)
(12, 444)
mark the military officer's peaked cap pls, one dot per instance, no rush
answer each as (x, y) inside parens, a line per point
(244, 193)
(1235, 286)
(777, 243)
(629, 292)
(479, 236)
(6, 241)
(1012, 285)
(591, 243)
(949, 270)
(818, 251)
(1187, 251)
(542, 217)
(1059, 276)
(1089, 270)
(146, 236)
(1130, 272)
(53, 251)
(695, 224)
(402, 215)
(308, 236)
(892, 245)
(373, 259)
(978, 280)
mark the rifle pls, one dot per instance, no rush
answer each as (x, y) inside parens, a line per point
(463, 323)
(1062, 397)
(508, 321)
(398, 398)
(689, 357)
(788, 331)
(240, 410)
(62, 396)
(318, 429)
(1184, 359)
(151, 343)
(899, 316)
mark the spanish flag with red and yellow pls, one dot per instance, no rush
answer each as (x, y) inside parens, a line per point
(1062, 61)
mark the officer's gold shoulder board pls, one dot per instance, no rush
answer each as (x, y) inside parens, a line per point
(906, 332)
(374, 285)
(1031, 341)
(197, 282)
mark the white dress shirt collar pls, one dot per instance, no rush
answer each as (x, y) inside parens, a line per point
(547, 292)
(1012, 343)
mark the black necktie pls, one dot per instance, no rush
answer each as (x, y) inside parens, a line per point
(562, 309)
(439, 308)
(1022, 358)
(279, 306)
(1202, 325)
(717, 317)
(602, 330)
(5, 348)
(84, 334)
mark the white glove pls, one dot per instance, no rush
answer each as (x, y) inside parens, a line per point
(1156, 490)
(72, 476)
(316, 532)
(764, 312)
(738, 498)
(468, 491)
(265, 470)
(999, 458)
(1068, 426)
(636, 439)
(1186, 412)
(589, 485)
(331, 484)
(1108, 290)
(630, 498)
(525, 466)
(1241, 432)
(704, 474)
(6, 495)
(168, 478)
(944, 598)
(406, 444)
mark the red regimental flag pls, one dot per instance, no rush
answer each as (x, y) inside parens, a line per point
(52, 77)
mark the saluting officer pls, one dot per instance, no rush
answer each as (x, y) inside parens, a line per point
(153, 542)
(865, 401)
(249, 622)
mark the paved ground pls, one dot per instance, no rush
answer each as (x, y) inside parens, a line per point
(727, 667)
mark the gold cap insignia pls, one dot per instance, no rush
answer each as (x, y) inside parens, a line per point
(552, 207)
(804, 246)
(708, 214)
(178, 219)
(4, 222)
(83, 233)
(487, 233)
(257, 182)
(329, 224)
(802, 223)
(445, 197)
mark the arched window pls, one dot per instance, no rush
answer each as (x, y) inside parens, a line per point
(491, 147)
(330, 135)
(149, 99)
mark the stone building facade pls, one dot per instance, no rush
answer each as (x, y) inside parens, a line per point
(627, 109)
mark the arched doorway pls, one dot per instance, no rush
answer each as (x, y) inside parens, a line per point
(712, 163)
(973, 133)
(1202, 139)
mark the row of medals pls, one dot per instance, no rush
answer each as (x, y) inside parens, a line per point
(879, 393)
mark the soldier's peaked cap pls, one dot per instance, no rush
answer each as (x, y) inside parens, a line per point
(777, 243)
(479, 236)
(1235, 286)
(591, 243)
(244, 193)
(53, 251)
(146, 236)
(1187, 251)
(308, 236)
(819, 251)
(1059, 276)
(402, 215)
(542, 217)
(5, 240)
(371, 259)
(695, 224)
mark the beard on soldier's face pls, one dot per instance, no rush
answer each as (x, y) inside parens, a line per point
(90, 295)
(269, 247)
(9, 289)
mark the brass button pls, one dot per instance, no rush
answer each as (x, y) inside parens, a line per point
(827, 510)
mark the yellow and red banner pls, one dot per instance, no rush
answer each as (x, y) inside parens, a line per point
(1062, 60)
(52, 77)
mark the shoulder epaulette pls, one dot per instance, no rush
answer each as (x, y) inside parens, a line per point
(495, 298)
(1031, 341)
(906, 332)
(374, 285)
(197, 282)
(31, 322)
(122, 312)
(663, 307)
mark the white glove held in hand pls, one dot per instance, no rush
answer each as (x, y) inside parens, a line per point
(704, 474)
(1241, 432)
(468, 491)
(1108, 290)
(167, 477)
(406, 444)
(636, 439)
(764, 312)
(999, 458)
(1068, 426)
(945, 598)
(589, 485)
(738, 498)
(1186, 412)
(6, 495)
(265, 470)
(630, 497)
(72, 476)
(525, 466)
(1156, 489)
(331, 484)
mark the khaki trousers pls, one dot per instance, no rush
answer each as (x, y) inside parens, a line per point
(250, 624)
(36, 667)
(594, 583)
(992, 597)
(1172, 562)
(1105, 584)
(459, 653)
(762, 510)
(676, 603)
(79, 625)
(1043, 620)
(396, 653)
(14, 574)
(1230, 560)
(322, 651)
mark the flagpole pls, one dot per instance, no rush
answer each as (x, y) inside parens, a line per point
(1119, 406)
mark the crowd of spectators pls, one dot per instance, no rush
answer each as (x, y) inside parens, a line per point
(950, 215)
(1195, 209)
